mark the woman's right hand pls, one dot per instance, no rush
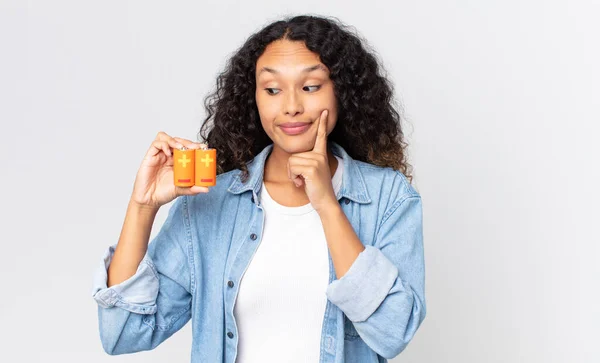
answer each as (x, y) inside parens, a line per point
(154, 183)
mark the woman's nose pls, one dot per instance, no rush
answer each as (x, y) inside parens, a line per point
(292, 104)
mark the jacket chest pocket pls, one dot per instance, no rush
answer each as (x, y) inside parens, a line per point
(350, 332)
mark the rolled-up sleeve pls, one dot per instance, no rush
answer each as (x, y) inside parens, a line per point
(136, 294)
(383, 292)
(365, 285)
(144, 310)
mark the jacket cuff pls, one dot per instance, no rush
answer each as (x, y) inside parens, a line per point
(360, 291)
(137, 294)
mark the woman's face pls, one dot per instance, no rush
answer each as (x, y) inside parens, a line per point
(293, 86)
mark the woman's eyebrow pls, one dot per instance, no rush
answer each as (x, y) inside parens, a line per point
(305, 70)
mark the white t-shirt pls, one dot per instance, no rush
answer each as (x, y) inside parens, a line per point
(281, 314)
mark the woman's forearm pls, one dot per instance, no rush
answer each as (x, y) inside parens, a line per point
(132, 244)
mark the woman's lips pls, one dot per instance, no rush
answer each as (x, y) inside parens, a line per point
(295, 130)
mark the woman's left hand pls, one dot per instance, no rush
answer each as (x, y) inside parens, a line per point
(311, 169)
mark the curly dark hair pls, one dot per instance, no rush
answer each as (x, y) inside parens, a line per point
(368, 125)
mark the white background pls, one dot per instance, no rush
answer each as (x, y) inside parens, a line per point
(501, 103)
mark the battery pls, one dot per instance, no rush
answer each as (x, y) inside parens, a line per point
(183, 167)
(206, 167)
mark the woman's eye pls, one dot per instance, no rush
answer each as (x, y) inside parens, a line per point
(316, 88)
(274, 91)
(271, 91)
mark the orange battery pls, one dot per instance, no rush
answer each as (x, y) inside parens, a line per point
(206, 167)
(183, 167)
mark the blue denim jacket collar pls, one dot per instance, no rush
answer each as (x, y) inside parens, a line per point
(353, 183)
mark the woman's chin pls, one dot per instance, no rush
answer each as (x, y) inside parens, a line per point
(295, 146)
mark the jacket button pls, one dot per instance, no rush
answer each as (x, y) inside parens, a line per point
(230, 283)
(253, 236)
(347, 201)
(230, 334)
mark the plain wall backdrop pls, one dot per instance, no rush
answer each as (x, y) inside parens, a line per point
(501, 108)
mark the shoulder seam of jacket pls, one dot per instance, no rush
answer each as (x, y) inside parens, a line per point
(395, 206)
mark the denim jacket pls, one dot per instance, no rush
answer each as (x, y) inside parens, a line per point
(193, 267)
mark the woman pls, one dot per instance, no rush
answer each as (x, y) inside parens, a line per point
(309, 248)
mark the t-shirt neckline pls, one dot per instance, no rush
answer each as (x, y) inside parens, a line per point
(266, 198)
